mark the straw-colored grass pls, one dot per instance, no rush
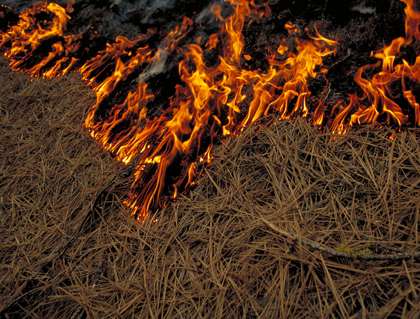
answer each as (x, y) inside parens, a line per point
(276, 228)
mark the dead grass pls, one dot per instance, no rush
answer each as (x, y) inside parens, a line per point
(211, 255)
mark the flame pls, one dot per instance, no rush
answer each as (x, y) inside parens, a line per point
(28, 35)
(212, 101)
(378, 89)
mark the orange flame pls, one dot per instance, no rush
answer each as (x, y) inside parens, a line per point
(378, 90)
(207, 106)
(29, 34)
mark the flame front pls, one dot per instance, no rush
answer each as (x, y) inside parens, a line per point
(207, 105)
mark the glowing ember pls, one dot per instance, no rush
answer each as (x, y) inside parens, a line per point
(206, 106)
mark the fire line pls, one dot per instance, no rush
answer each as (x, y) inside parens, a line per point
(207, 106)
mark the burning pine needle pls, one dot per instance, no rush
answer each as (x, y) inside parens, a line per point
(210, 102)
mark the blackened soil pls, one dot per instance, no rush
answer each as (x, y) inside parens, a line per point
(359, 27)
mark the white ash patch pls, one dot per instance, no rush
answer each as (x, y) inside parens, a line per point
(363, 9)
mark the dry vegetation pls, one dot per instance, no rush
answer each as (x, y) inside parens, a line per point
(286, 223)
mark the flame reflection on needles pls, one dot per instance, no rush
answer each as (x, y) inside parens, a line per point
(206, 107)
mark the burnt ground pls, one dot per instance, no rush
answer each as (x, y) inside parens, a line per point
(360, 27)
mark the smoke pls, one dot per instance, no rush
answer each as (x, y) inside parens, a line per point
(149, 5)
(206, 16)
(148, 8)
(363, 9)
(156, 67)
(19, 5)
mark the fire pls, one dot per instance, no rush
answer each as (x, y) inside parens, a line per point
(207, 105)
(377, 90)
(28, 35)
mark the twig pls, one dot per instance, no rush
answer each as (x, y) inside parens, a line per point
(328, 93)
(396, 249)
(333, 252)
(341, 60)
